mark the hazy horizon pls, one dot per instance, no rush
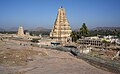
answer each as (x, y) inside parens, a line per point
(42, 13)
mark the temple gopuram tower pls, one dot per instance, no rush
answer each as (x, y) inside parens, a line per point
(61, 30)
(20, 31)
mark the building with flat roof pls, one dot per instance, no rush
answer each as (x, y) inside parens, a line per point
(91, 42)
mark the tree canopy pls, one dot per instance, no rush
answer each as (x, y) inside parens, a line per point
(74, 36)
(84, 30)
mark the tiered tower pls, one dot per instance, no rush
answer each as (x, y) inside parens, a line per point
(61, 30)
(20, 31)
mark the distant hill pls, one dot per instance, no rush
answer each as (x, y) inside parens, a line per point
(40, 29)
(106, 28)
(12, 29)
(101, 28)
(1, 29)
(35, 29)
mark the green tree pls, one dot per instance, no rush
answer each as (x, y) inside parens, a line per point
(84, 30)
(74, 36)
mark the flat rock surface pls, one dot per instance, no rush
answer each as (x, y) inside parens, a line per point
(55, 62)
(58, 62)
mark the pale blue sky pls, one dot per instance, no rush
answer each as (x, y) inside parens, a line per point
(42, 13)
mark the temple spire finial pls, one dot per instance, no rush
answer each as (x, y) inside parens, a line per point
(61, 7)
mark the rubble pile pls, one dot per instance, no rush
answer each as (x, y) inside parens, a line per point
(15, 57)
(106, 54)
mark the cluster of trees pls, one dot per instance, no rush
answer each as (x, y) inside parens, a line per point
(83, 32)
(37, 33)
(113, 32)
(8, 32)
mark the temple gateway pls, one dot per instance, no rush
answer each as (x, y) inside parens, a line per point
(20, 31)
(61, 30)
